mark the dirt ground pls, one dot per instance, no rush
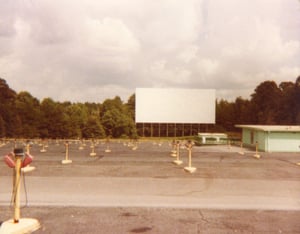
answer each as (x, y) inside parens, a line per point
(153, 160)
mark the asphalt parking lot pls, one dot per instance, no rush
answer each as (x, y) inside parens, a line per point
(142, 191)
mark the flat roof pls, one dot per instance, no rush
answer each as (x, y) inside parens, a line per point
(272, 128)
(212, 134)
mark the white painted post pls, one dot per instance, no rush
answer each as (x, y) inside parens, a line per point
(67, 160)
(190, 169)
(18, 159)
(177, 161)
(256, 155)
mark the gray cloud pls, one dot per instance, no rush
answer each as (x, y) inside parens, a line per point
(93, 50)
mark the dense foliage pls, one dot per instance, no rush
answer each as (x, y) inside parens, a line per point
(22, 115)
(270, 104)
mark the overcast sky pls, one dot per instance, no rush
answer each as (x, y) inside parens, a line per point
(92, 50)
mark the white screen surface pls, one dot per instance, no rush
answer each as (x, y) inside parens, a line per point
(175, 105)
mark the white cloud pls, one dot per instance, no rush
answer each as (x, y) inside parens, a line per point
(110, 36)
(188, 53)
(162, 76)
(95, 93)
(207, 67)
(108, 47)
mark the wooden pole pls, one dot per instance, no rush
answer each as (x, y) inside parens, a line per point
(256, 155)
(66, 160)
(189, 168)
(190, 157)
(67, 151)
(177, 161)
(18, 158)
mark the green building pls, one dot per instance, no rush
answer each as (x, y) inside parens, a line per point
(271, 138)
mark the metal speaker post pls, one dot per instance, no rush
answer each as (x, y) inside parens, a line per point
(256, 155)
(190, 169)
(43, 150)
(177, 161)
(19, 154)
(93, 149)
(66, 160)
(18, 225)
(107, 150)
(228, 144)
(28, 168)
(241, 151)
(134, 145)
(173, 152)
(81, 146)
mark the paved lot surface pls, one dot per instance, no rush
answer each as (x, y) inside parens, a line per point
(142, 191)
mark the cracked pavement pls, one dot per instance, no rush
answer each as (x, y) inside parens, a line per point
(142, 191)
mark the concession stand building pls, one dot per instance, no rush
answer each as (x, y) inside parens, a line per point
(271, 138)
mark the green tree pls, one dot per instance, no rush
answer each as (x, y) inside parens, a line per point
(297, 101)
(264, 102)
(242, 111)
(93, 128)
(2, 127)
(225, 115)
(76, 115)
(286, 105)
(17, 129)
(54, 119)
(130, 106)
(112, 112)
(117, 118)
(110, 104)
(7, 110)
(28, 109)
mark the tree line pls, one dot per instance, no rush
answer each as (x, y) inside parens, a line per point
(270, 104)
(24, 116)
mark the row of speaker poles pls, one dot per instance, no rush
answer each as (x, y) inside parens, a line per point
(176, 153)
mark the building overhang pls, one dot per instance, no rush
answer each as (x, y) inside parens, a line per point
(271, 128)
